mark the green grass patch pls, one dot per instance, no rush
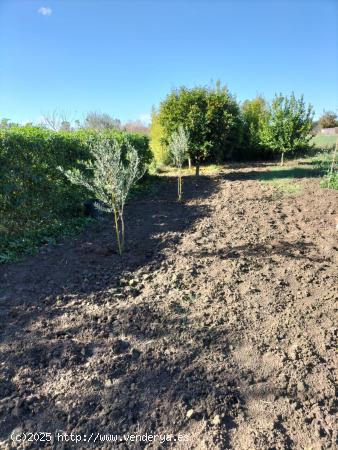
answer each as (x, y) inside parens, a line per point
(319, 165)
(321, 159)
(330, 181)
(323, 162)
(290, 173)
(286, 186)
(208, 169)
(285, 178)
(28, 242)
(322, 141)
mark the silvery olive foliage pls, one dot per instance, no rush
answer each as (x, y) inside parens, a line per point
(110, 176)
(178, 150)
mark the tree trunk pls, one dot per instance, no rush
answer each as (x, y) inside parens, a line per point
(122, 232)
(197, 167)
(117, 230)
(282, 159)
(189, 162)
(179, 187)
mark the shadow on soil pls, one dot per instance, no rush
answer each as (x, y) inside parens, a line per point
(154, 222)
(294, 250)
(274, 174)
(32, 345)
(148, 390)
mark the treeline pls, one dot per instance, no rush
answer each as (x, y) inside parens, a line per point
(328, 119)
(62, 121)
(220, 129)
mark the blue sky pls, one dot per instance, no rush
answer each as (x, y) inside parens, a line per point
(123, 57)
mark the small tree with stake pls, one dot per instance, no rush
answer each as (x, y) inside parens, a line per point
(110, 179)
(178, 149)
(210, 114)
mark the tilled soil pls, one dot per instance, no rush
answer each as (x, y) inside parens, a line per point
(217, 324)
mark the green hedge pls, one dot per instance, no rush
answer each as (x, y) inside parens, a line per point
(33, 192)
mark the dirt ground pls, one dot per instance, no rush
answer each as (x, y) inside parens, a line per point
(216, 326)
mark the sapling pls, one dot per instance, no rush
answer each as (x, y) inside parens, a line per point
(110, 179)
(178, 149)
(333, 163)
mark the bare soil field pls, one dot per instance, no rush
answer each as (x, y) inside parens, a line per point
(216, 324)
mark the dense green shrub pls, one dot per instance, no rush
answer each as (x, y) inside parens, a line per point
(33, 192)
(210, 115)
(159, 150)
(330, 179)
(28, 161)
(29, 158)
(254, 115)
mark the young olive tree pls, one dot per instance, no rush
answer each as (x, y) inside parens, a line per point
(178, 150)
(110, 178)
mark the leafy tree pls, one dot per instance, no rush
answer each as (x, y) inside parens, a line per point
(288, 124)
(254, 113)
(187, 108)
(157, 146)
(210, 115)
(110, 179)
(329, 119)
(178, 149)
(224, 124)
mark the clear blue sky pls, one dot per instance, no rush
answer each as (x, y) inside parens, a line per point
(122, 57)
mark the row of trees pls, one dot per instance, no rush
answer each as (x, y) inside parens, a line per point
(194, 123)
(220, 129)
(63, 121)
